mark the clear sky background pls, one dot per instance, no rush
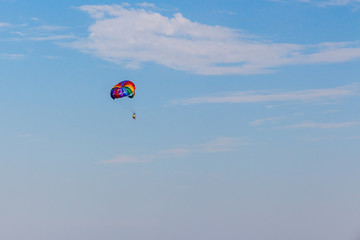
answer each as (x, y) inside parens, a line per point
(248, 122)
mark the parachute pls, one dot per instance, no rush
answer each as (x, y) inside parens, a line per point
(125, 90)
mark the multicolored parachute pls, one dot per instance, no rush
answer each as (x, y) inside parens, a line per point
(123, 89)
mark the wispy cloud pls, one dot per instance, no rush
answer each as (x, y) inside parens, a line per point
(221, 144)
(130, 37)
(28, 137)
(324, 3)
(51, 38)
(3, 24)
(273, 96)
(51, 28)
(46, 33)
(262, 121)
(146, 5)
(51, 57)
(218, 145)
(122, 159)
(12, 56)
(330, 138)
(330, 111)
(35, 32)
(323, 125)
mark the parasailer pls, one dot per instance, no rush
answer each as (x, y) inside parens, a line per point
(124, 89)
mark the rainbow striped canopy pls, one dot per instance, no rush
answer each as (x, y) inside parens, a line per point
(123, 89)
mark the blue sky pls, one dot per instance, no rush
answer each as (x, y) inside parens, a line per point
(247, 120)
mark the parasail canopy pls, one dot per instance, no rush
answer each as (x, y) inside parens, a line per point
(123, 89)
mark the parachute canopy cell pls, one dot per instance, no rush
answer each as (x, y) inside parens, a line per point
(123, 89)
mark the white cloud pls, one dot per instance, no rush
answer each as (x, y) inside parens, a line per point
(323, 125)
(47, 33)
(330, 138)
(324, 3)
(221, 144)
(3, 24)
(146, 5)
(10, 26)
(12, 56)
(39, 32)
(122, 159)
(331, 111)
(259, 122)
(51, 38)
(51, 28)
(274, 95)
(135, 36)
(28, 137)
(51, 57)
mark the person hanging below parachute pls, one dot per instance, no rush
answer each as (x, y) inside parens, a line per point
(124, 89)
